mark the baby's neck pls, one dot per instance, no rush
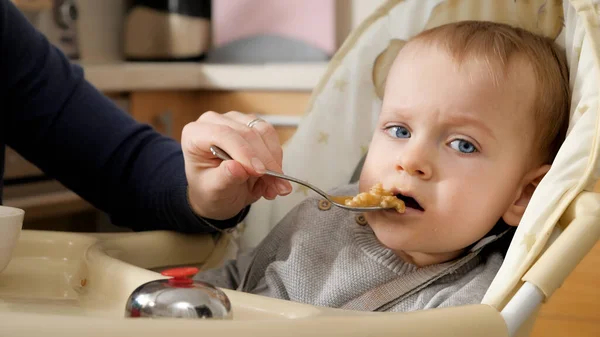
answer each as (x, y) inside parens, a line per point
(421, 260)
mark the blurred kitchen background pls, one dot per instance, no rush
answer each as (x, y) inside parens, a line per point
(167, 61)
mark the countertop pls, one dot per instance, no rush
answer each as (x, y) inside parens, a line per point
(130, 76)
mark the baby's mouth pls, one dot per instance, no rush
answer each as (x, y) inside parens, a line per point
(410, 202)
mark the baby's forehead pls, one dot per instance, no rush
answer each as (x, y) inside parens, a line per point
(429, 77)
(475, 72)
(498, 68)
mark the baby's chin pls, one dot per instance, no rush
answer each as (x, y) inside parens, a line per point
(393, 243)
(401, 247)
(397, 235)
(391, 235)
(410, 251)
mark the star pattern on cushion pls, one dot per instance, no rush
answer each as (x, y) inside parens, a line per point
(302, 189)
(323, 137)
(364, 149)
(528, 240)
(340, 84)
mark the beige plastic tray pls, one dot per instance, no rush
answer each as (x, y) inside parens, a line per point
(71, 284)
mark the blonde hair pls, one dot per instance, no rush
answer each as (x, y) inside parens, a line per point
(497, 44)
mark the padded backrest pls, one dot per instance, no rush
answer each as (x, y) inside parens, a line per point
(336, 130)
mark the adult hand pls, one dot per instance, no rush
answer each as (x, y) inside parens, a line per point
(221, 189)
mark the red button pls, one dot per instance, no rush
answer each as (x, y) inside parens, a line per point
(180, 276)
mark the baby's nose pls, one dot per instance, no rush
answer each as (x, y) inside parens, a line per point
(423, 173)
(415, 165)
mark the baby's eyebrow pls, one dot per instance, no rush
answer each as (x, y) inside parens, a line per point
(396, 112)
(468, 120)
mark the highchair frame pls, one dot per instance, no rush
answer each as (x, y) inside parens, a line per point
(582, 231)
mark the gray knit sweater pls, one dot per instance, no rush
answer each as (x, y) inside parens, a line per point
(326, 256)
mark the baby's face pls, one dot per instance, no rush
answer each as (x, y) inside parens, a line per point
(456, 143)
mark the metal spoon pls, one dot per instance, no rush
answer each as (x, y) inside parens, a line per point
(335, 200)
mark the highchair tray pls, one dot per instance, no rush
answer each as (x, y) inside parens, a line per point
(94, 274)
(78, 284)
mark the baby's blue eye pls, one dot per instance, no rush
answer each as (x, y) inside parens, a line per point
(398, 132)
(463, 146)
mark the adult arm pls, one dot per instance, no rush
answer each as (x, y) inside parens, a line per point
(57, 120)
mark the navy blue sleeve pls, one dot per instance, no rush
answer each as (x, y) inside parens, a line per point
(58, 121)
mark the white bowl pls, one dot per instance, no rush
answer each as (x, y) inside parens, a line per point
(11, 223)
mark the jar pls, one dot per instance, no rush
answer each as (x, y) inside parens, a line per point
(167, 30)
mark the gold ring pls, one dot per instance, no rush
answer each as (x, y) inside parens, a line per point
(254, 121)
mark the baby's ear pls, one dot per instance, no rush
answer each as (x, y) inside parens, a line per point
(515, 211)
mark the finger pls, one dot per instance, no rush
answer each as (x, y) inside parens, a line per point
(229, 176)
(197, 138)
(258, 189)
(267, 190)
(234, 172)
(235, 120)
(270, 138)
(265, 130)
(262, 189)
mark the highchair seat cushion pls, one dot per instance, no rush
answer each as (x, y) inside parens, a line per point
(342, 113)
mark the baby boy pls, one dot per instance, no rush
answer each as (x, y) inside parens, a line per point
(473, 114)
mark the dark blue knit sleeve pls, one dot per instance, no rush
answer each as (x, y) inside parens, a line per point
(54, 118)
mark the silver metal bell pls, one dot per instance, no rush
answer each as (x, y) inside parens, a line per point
(178, 297)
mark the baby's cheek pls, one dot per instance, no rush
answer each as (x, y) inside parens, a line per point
(370, 175)
(474, 207)
(365, 182)
(465, 201)
(467, 217)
